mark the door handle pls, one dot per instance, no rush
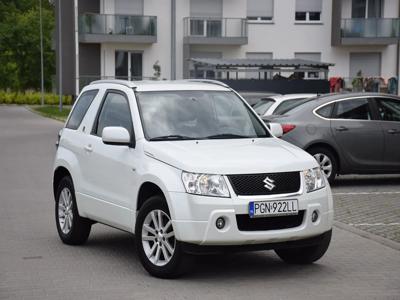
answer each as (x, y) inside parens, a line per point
(393, 131)
(341, 128)
(88, 148)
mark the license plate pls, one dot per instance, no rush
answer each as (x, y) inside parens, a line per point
(273, 208)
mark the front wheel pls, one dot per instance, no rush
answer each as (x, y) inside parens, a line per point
(72, 228)
(305, 255)
(159, 251)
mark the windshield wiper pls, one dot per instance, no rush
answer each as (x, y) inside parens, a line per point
(172, 137)
(228, 136)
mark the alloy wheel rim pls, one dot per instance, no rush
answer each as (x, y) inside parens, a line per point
(325, 163)
(158, 238)
(65, 213)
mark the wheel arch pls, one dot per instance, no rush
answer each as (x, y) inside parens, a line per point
(147, 190)
(59, 173)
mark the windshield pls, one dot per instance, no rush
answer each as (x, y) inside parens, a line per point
(262, 106)
(184, 115)
(287, 105)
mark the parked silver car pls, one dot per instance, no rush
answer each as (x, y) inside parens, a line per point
(357, 133)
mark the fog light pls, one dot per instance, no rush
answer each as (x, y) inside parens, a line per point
(314, 216)
(220, 223)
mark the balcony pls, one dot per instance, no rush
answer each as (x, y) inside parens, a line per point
(215, 31)
(370, 31)
(100, 28)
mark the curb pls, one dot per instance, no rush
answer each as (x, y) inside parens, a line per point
(384, 241)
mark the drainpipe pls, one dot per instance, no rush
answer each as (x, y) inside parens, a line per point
(173, 39)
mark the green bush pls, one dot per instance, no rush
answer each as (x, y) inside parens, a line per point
(31, 98)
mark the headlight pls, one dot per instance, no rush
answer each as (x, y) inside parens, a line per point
(314, 179)
(204, 184)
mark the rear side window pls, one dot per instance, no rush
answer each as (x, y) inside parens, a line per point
(262, 106)
(114, 112)
(388, 109)
(80, 109)
(287, 105)
(355, 109)
(325, 111)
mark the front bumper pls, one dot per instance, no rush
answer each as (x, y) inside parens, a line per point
(194, 218)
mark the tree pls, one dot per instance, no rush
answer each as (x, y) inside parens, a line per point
(20, 44)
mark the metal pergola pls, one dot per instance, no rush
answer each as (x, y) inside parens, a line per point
(271, 66)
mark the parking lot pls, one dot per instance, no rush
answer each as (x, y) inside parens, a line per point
(363, 261)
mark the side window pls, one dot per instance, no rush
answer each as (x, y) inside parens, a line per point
(388, 109)
(80, 109)
(114, 112)
(325, 111)
(355, 109)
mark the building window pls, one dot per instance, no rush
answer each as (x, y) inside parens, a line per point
(308, 10)
(260, 10)
(313, 56)
(366, 8)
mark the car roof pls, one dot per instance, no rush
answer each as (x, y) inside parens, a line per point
(280, 98)
(167, 85)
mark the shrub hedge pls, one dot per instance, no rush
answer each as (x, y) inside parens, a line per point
(31, 98)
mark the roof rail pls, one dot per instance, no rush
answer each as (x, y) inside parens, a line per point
(127, 83)
(210, 81)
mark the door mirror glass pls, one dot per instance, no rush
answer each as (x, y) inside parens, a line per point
(117, 136)
(276, 129)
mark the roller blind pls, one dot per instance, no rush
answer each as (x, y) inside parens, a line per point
(260, 8)
(206, 8)
(316, 56)
(368, 63)
(309, 5)
(129, 7)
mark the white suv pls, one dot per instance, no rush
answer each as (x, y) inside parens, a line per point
(188, 167)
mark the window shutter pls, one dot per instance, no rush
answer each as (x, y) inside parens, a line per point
(206, 8)
(260, 8)
(309, 5)
(129, 7)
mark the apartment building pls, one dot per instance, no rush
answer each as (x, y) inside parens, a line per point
(140, 39)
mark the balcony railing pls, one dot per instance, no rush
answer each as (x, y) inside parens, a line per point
(370, 28)
(129, 25)
(215, 28)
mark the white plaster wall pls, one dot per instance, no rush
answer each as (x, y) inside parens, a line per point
(283, 37)
(159, 51)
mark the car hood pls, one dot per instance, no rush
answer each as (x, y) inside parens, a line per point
(233, 156)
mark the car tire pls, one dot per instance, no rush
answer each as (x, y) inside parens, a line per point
(72, 228)
(325, 159)
(159, 252)
(305, 255)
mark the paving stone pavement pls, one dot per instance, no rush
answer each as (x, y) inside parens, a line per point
(34, 264)
(369, 203)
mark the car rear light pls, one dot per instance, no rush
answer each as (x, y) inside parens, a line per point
(287, 128)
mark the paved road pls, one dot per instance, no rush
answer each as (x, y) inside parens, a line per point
(34, 264)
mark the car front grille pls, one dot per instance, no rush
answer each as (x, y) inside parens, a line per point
(257, 184)
(245, 223)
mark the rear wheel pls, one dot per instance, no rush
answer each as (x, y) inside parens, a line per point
(72, 228)
(305, 255)
(326, 160)
(159, 251)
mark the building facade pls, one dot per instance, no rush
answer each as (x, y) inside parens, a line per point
(140, 39)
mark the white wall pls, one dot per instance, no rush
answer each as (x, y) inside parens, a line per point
(159, 51)
(283, 37)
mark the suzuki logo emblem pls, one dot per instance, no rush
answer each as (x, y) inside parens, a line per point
(269, 183)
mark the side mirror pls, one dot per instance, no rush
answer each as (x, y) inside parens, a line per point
(117, 136)
(276, 129)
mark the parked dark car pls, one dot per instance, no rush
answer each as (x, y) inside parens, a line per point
(356, 133)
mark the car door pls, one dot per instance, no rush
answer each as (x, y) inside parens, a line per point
(109, 169)
(358, 134)
(389, 113)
